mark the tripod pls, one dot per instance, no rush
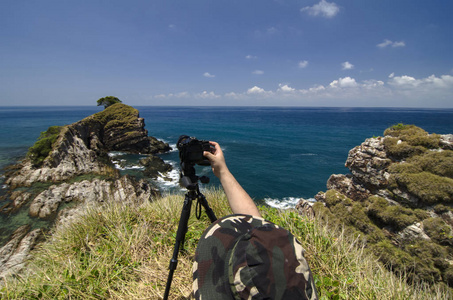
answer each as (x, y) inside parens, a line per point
(190, 181)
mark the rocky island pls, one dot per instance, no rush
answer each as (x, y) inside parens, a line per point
(398, 198)
(68, 169)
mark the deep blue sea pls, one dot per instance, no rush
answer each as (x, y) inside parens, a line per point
(278, 154)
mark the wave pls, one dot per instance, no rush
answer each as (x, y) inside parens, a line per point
(170, 180)
(116, 153)
(285, 203)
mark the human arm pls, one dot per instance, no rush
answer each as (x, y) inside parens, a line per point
(239, 200)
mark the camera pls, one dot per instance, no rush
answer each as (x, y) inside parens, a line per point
(191, 150)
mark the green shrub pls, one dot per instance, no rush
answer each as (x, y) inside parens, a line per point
(41, 149)
(440, 209)
(439, 231)
(396, 216)
(428, 187)
(402, 131)
(439, 163)
(333, 197)
(401, 150)
(393, 257)
(404, 141)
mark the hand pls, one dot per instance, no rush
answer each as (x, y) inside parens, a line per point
(217, 160)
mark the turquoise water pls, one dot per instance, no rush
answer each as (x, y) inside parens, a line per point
(276, 153)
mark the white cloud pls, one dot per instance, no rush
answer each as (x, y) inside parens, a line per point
(371, 84)
(346, 82)
(251, 57)
(409, 82)
(387, 43)
(404, 81)
(182, 95)
(323, 8)
(256, 90)
(207, 95)
(258, 72)
(316, 89)
(405, 90)
(347, 65)
(208, 75)
(272, 30)
(303, 64)
(398, 44)
(232, 95)
(285, 88)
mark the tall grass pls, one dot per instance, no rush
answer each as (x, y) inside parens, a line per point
(122, 252)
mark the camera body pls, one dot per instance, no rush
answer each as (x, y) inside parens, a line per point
(191, 150)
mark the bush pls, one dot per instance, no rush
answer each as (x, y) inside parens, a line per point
(404, 141)
(397, 216)
(41, 149)
(439, 163)
(439, 231)
(428, 187)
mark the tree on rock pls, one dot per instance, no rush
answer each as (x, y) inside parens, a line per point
(108, 100)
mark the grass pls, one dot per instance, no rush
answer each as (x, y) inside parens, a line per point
(41, 149)
(122, 252)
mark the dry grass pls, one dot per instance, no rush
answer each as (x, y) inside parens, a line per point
(123, 252)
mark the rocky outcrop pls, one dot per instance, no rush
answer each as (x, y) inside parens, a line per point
(76, 170)
(14, 254)
(82, 147)
(399, 198)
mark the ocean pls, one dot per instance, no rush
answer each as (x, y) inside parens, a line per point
(278, 154)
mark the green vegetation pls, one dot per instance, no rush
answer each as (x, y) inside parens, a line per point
(423, 171)
(404, 141)
(373, 221)
(41, 149)
(397, 216)
(117, 115)
(426, 174)
(122, 252)
(108, 101)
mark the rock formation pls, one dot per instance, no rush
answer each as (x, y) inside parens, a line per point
(75, 168)
(399, 197)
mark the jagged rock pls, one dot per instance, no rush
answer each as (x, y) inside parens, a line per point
(413, 232)
(154, 165)
(368, 163)
(20, 198)
(124, 189)
(82, 147)
(320, 197)
(348, 186)
(79, 149)
(398, 194)
(446, 141)
(305, 208)
(14, 254)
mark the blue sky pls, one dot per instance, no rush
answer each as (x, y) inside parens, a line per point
(395, 53)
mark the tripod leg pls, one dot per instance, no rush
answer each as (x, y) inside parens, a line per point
(180, 236)
(207, 208)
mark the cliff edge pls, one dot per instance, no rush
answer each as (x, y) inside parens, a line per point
(399, 198)
(68, 170)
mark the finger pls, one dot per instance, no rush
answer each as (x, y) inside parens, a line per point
(208, 155)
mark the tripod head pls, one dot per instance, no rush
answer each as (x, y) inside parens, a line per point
(188, 178)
